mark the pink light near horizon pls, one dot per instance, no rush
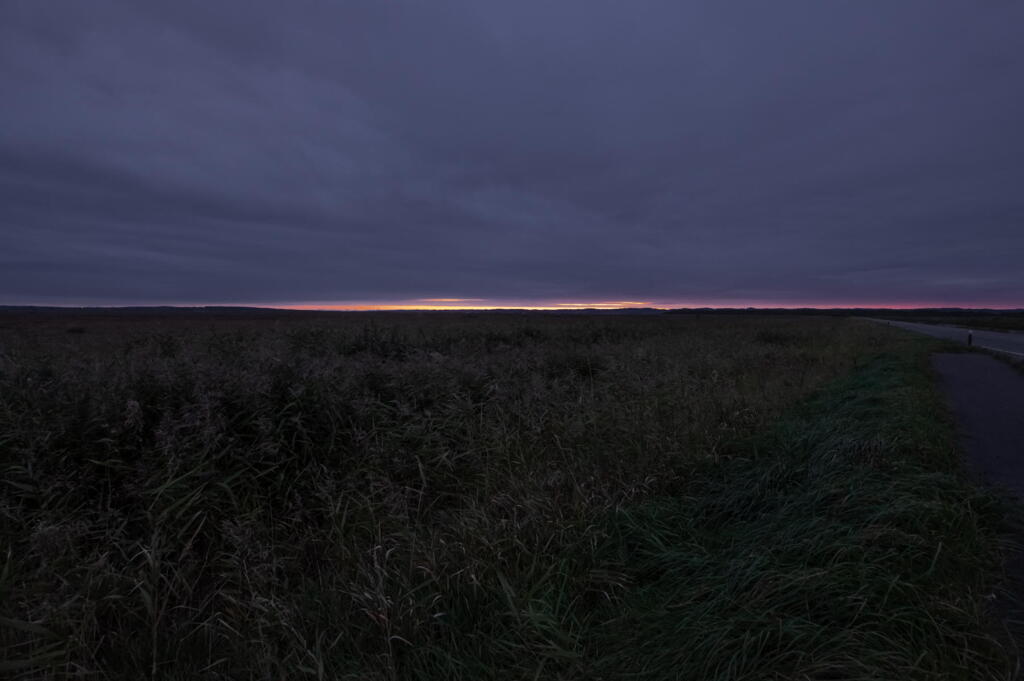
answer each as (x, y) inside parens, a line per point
(456, 304)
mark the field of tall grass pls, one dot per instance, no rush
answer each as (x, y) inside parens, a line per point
(492, 497)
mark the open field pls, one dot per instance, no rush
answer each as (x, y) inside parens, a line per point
(995, 323)
(1009, 345)
(473, 497)
(1006, 321)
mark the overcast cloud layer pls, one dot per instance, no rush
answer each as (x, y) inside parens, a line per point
(780, 152)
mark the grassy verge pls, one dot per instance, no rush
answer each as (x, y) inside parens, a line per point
(487, 498)
(848, 544)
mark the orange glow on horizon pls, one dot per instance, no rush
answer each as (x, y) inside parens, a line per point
(613, 304)
(414, 307)
(484, 304)
(450, 304)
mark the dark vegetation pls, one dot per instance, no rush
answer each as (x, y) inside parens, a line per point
(996, 320)
(508, 497)
(1005, 322)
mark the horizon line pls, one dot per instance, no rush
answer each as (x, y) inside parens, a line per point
(551, 307)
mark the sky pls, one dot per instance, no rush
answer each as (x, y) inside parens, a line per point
(490, 153)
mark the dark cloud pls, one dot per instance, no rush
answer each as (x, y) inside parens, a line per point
(785, 152)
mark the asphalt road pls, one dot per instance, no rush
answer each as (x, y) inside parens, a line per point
(987, 399)
(1001, 341)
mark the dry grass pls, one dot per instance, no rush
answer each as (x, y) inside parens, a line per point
(495, 497)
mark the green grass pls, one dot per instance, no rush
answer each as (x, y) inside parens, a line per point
(492, 497)
(846, 545)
